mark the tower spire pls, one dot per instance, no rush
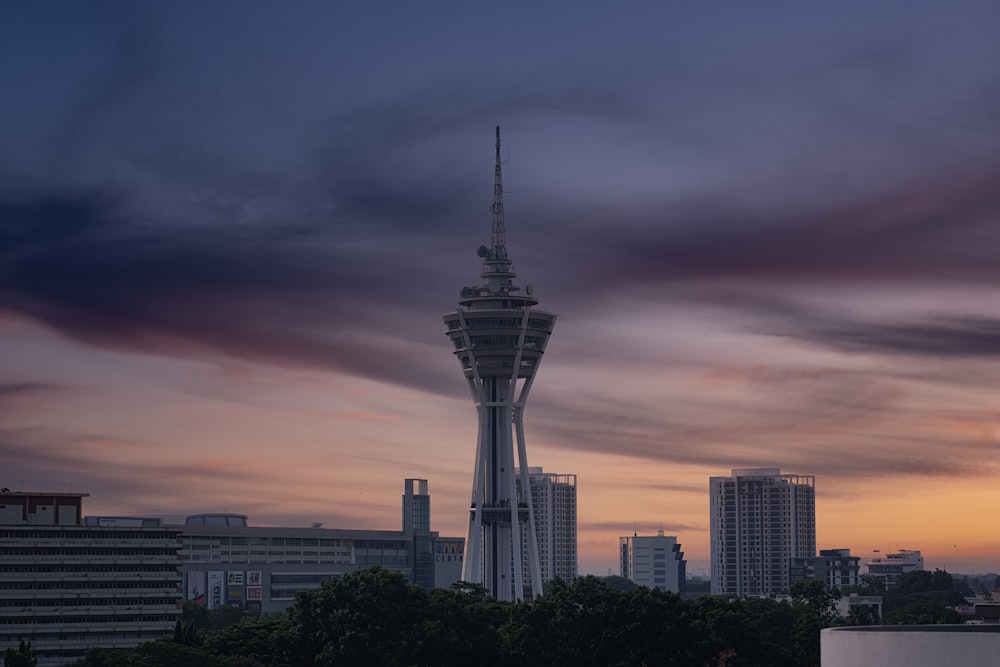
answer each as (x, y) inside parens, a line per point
(499, 249)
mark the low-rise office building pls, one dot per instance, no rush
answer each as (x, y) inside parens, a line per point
(66, 586)
(226, 561)
(69, 583)
(890, 568)
(836, 568)
(654, 561)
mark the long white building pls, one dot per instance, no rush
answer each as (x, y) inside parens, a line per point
(226, 561)
(553, 500)
(760, 520)
(67, 587)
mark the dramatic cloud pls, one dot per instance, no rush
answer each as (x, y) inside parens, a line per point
(770, 234)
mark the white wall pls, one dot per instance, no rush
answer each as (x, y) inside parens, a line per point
(913, 646)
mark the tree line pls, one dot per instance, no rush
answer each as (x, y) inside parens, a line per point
(375, 617)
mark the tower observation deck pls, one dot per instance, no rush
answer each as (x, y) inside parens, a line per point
(499, 338)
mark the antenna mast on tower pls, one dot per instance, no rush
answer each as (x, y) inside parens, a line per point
(499, 249)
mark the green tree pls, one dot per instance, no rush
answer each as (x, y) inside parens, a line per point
(369, 617)
(20, 657)
(185, 633)
(924, 612)
(165, 653)
(815, 610)
(717, 626)
(863, 614)
(461, 626)
(698, 585)
(102, 657)
(270, 640)
(922, 597)
(196, 614)
(616, 583)
(212, 619)
(771, 624)
(160, 653)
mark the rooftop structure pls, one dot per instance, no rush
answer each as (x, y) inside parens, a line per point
(499, 338)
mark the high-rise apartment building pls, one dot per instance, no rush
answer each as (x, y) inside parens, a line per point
(653, 561)
(760, 520)
(553, 500)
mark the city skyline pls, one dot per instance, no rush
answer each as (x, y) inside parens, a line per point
(228, 234)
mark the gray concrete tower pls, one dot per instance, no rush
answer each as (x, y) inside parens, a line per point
(499, 339)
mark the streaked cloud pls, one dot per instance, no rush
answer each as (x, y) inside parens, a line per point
(769, 233)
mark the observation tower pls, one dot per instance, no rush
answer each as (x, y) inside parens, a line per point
(499, 339)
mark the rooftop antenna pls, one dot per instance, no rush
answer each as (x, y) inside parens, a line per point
(499, 249)
(496, 266)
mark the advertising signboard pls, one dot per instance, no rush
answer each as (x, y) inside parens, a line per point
(196, 587)
(216, 586)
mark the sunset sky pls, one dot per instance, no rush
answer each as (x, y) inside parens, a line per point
(771, 233)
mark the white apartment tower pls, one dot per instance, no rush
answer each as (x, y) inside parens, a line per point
(498, 338)
(553, 500)
(760, 520)
(654, 561)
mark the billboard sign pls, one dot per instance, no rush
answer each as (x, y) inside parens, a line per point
(216, 586)
(196, 587)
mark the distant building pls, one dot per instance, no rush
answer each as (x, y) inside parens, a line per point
(553, 501)
(67, 587)
(654, 562)
(891, 567)
(760, 520)
(261, 568)
(417, 523)
(449, 554)
(836, 568)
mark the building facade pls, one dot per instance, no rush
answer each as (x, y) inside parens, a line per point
(262, 568)
(760, 520)
(890, 568)
(225, 561)
(417, 524)
(499, 337)
(66, 586)
(653, 561)
(553, 500)
(836, 568)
